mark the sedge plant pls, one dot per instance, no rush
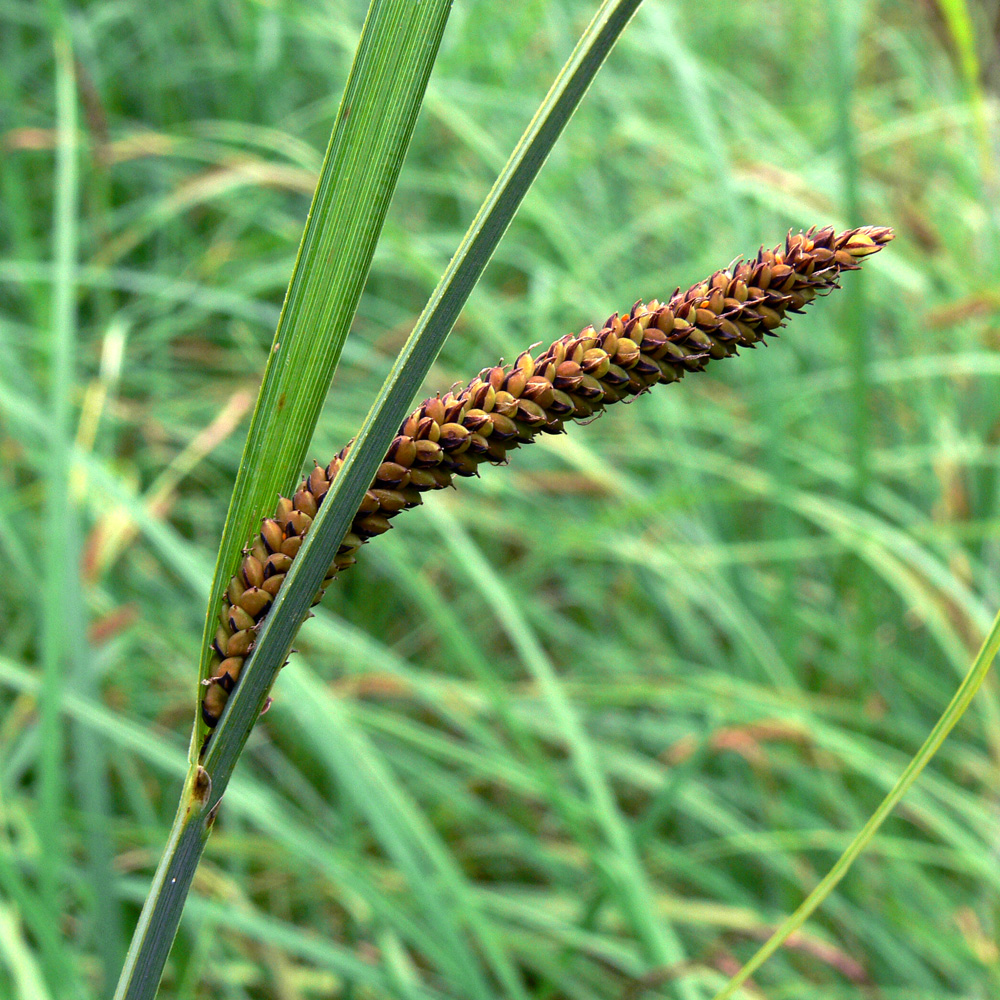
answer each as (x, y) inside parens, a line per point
(276, 560)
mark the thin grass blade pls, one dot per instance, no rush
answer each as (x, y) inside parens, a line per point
(370, 137)
(955, 710)
(402, 383)
(433, 326)
(62, 602)
(398, 46)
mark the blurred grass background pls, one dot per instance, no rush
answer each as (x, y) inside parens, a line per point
(590, 726)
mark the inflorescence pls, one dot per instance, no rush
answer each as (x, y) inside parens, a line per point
(507, 406)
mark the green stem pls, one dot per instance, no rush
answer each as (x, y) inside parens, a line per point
(384, 91)
(845, 35)
(61, 584)
(154, 934)
(955, 710)
(341, 503)
(162, 911)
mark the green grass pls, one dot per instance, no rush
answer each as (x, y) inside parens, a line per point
(685, 625)
(371, 133)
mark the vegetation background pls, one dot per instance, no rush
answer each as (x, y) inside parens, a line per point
(754, 592)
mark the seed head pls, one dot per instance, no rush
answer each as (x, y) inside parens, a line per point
(507, 406)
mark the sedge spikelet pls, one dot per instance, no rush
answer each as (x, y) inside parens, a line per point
(505, 407)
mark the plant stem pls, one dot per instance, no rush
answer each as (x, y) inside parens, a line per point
(411, 366)
(62, 588)
(398, 47)
(154, 934)
(955, 710)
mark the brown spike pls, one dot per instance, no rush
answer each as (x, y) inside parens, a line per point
(575, 376)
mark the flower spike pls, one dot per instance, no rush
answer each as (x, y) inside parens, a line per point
(508, 405)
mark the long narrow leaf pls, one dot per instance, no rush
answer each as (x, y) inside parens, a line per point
(956, 709)
(408, 372)
(61, 600)
(366, 150)
(398, 46)
(345, 495)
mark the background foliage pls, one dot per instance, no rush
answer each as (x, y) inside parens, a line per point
(757, 590)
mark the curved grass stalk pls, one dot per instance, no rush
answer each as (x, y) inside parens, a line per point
(955, 710)
(374, 123)
(206, 783)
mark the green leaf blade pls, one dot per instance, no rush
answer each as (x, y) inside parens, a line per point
(367, 146)
(398, 47)
(411, 366)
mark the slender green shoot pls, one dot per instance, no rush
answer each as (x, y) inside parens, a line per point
(407, 374)
(398, 46)
(61, 588)
(372, 131)
(955, 710)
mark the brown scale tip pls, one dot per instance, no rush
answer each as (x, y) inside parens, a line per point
(507, 406)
